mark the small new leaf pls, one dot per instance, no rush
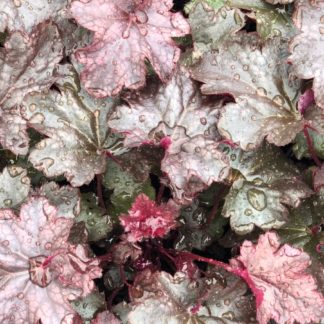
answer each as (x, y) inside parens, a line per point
(148, 220)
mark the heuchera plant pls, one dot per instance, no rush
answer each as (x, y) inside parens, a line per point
(161, 161)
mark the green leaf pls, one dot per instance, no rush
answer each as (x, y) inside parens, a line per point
(97, 225)
(125, 188)
(196, 230)
(303, 230)
(267, 185)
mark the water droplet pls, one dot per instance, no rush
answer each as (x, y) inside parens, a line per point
(5, 243)
(258, 181)
(237, 18)
(276, 32)
(46, 163)
(20, 295)
(257, 199)
(141, 17)
(141, 118)
(17, 3)
(41, 145)
(233, 157)
(248, 212)
(91, 222)
(197, 149)
(279, 100)
(236, 76)
(223, 12)
(229, 315)
(7, 202)
(261, 92)
(48, 245)
(203, 121)
(245, 67)
(126, 33)
(227, 302)
(32, 107)
(38, 118)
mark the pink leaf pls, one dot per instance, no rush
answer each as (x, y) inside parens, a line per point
(40, 270)
(285, 291)
(147, 220)
(125, 34)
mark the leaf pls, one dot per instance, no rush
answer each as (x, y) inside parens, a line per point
(97, 225)
(271, 21)
(88, 306)
(268, 185)
(286, 291)
(24, 16)
(308, 46)
(256, 204)
(259, 81)
(195, 230)
(125, 188)
(26, 64)
(300, 147)
(124, 250)
(212, 25)
(319, 177)
(65, 198)
(314, 117)
(279, 1)
(178, 299)
(77, 134)
(138, 31)
(14, 186)
(180, 120)
(147, 220)
(40, 271)
(105, 317)
(303, 229)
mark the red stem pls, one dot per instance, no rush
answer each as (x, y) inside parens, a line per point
(105, 258)
(310, 146)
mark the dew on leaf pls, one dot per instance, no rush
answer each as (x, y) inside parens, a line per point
(257, 199)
